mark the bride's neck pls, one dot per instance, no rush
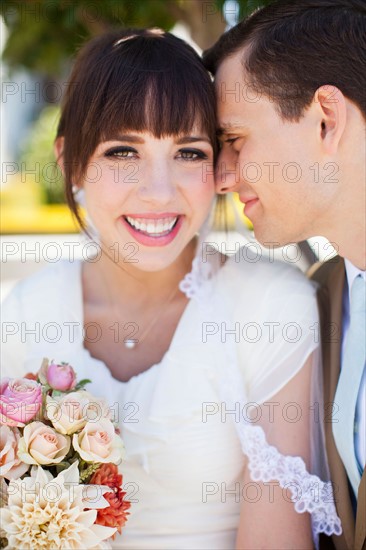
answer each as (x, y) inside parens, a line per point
(122, 281)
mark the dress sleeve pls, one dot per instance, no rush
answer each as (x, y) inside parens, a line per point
(272, 310)
(275, 306)
(32, 321)
(13, 344)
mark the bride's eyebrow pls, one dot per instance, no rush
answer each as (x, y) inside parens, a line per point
(130, 138)
(191, 139)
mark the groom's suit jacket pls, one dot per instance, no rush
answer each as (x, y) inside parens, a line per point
(331, 277)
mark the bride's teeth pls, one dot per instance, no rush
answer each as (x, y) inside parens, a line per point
(160, 227)
(153, 227)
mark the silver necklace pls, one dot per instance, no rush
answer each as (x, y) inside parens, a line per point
(131, 343)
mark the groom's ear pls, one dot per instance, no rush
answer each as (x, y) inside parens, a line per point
(332, 116)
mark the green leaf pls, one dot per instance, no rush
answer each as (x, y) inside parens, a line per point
(62, 466)
(86, 474)
(81, 384)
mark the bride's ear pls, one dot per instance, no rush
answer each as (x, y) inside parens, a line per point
(58, 149)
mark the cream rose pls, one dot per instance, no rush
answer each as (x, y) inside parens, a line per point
(42, 445)
(10, 465)
(98, 442)
(69, 413)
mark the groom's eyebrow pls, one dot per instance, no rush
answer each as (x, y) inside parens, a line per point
(228, 128)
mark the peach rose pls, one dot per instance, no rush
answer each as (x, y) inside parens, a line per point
(69, 413)
(42, 445)
(98, 442)
(10, 465)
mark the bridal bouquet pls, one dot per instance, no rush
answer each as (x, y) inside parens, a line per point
(59, 450)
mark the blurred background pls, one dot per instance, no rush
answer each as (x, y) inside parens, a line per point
(38, 42)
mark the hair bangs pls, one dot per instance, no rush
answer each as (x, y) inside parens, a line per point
(153, 85)
(162, 104)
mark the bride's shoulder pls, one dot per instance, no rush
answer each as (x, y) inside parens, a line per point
(47, 286)
(256, 273)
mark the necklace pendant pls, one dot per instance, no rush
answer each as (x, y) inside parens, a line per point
(130, 344)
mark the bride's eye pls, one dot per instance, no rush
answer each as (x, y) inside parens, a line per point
(121, 152)
(191, 155)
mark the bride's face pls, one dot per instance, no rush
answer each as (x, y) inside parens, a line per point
(148, 197)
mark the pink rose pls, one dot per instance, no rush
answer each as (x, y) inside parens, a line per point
(20, 401)
(10, 465)
(42, 445)
(61, 377)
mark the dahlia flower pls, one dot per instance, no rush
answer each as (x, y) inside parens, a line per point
(45, 512)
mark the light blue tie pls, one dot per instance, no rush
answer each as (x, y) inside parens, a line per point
(349, 382)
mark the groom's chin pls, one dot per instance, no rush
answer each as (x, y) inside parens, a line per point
(279, 234)
(270, 242)
(268, 237)
(274, 239)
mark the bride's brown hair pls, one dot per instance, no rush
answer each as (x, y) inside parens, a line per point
(135, 79)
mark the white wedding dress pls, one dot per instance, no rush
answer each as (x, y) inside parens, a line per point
(184, 461)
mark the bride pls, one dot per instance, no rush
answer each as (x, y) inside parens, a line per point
(207, 361)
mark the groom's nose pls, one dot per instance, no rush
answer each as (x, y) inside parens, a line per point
(227, 173)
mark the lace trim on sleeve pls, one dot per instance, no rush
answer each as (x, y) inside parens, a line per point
(308, 492)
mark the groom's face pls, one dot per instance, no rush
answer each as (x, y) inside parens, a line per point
(272, 163)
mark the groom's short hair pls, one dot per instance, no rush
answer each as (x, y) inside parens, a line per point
(295, 46)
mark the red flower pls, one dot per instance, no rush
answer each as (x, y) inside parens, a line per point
(116, 513)
(107, 474)
(31, 376)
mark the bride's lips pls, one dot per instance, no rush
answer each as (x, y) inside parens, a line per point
(165, 225)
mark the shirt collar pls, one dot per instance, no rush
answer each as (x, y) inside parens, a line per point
(352, 272)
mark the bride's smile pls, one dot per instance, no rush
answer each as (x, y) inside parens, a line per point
(153, 231)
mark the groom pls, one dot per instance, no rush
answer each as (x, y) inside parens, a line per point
(291, 89)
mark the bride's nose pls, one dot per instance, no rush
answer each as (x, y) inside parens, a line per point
(156, 184)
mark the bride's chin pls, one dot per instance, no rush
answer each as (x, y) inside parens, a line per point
(133, 256)
(152, 263)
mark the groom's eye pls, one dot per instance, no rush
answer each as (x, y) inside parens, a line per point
(230, 141)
